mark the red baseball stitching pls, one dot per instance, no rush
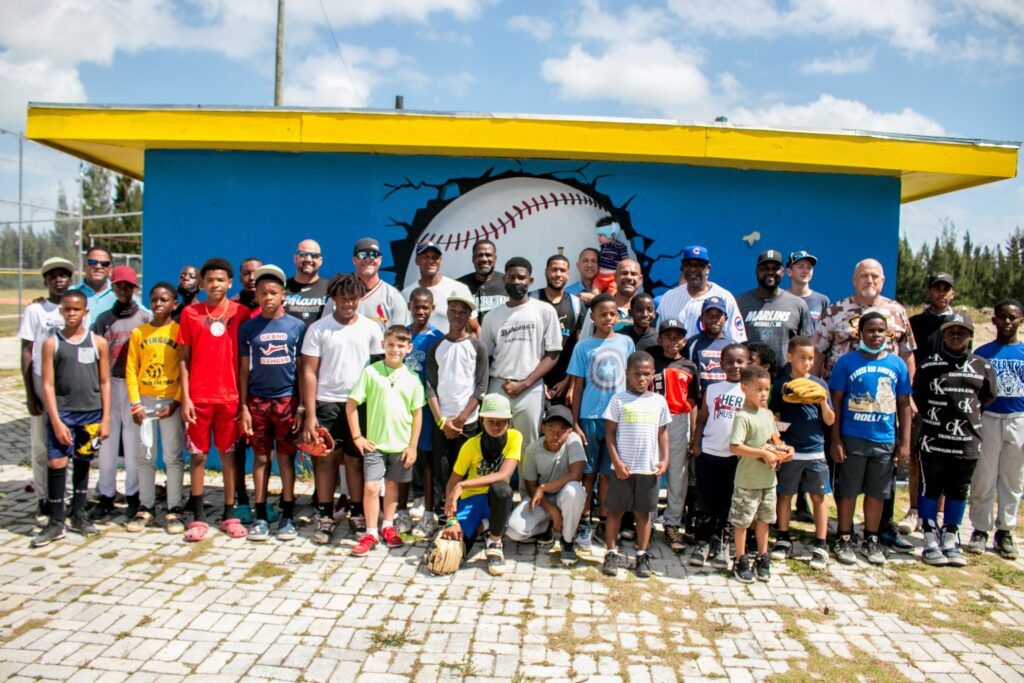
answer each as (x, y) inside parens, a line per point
(510, 218)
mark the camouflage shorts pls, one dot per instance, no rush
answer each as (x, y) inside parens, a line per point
(751, 504)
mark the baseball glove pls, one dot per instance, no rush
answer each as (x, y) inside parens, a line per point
(323, 445)
(445, 556)
(778, 447)
(803, 390)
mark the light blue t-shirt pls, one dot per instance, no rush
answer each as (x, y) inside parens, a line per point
(416, 361)
(870, 387)
(1008, 362)
(602, 365)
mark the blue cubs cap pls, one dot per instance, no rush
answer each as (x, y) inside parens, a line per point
(801, 256)
(714, 302)
(697, 253)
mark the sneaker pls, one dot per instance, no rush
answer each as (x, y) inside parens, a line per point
(699, 556)
(259, 531)
(545, 538)
(951, 548)
(872, 549)
(643, 566)
(286, 530)
(911, 522)
(932, 553)
(367, 543)
(763, 567)
(426, 527)
(340, 507)
(610, 566)
(568, 554)
(390, 536)
(51, 532)
(495, 559)
(1005, 545)
(720, 556)
(782, 549)
(174, 522)
(674, 539)
(844, 550)
(819, 557)
(978, 542)
(43, 515)
(627, 533)
(81, 524)
(585, 536)
(324, 530)
(358, 524)
(103, 510)
(403, 522)
(139, 521)
(741, 570)
(895, 543)
(243, 513)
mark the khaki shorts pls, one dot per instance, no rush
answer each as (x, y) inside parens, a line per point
(752, 504)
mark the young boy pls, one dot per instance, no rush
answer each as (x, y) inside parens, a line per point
(763, 355)
(807, 472)
(268, 358)
(598, 371)
(552, 470)
(394, 402)
(753, 495)
(456, 378)
(951, 388)
(152, 377)
(208, 347)
(642, 330)
(637, 431)
(872, 386)
(335, 350)
(716, 465)
(675, 378)
(612, 251)
(76, 394)
(479, 486)
(116, 327)
(1001, 465)
(705, 347)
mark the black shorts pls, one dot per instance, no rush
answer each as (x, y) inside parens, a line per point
(945, 475)
(867, 469)
(331, 416)
(637, 493)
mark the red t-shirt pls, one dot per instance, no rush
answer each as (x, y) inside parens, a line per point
(213, 368)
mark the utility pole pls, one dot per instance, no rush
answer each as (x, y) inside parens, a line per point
(279, 55)
(80, 242)
(21, 226)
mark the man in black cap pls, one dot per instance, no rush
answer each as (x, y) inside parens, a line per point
(486, 284)
(428, 260)
(382, 303)
(770, 314)
(800, 269)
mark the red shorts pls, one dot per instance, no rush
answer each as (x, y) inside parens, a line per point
(221, 419)
(605, 282)
(272, 421)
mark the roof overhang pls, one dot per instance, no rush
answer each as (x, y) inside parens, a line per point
(118, 137)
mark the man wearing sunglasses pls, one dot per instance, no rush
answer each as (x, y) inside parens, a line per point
(96, 284)
(382, 303)
(306, 291)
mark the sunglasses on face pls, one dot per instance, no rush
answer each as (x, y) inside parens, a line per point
(97, 262)
(363, 255)
(308, 254)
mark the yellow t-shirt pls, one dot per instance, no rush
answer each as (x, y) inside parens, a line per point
(152, 367)
(470, 459)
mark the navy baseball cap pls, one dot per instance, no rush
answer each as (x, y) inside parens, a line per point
(940, 277)
(714, 302)
(770, 255)
(426, 246)
(958, 320)
(671, 324)
(696, 252)
(801, 256)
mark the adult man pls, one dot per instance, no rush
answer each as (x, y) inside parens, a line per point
(428, 260)
(685, 301)
(628, 281)
(306, 290)
(587, 266)
(485, 283)
(523, 338)
(382, 303)
(569, 309)
(96, 284)
(800, 269)
(771, 314)
(838, 334)
(188, 288)
(247, 274)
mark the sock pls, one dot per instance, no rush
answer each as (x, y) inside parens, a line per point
(386, 523)
(198, 510)
(819, 543)
(640, 553)
(261, 511)
(287, 508)
(928, 509)
(868, 534)
(374, 533)
(782, 535)
(79, 486)
(132, 500)
(953, 513)
(325, 509)
(56, 486)
(356, 509)
(229, 511)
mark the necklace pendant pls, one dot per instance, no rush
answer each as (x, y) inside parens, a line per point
(217, 329)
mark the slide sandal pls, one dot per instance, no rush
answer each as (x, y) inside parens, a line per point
(233, 528)
(196, 531)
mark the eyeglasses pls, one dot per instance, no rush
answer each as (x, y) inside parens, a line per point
(97, 262)
(308, 254)
(363, 255)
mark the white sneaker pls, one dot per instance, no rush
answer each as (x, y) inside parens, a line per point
(403, 522)
(416, 508)
(911, 522)
(426, 527)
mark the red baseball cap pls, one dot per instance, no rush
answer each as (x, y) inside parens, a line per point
(124, 274)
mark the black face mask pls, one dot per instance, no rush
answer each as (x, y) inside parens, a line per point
(515, 291)
(493, 451)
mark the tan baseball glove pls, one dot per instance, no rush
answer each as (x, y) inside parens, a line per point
(803, 390)
(778, 447)
(323, 445)
(445, 556)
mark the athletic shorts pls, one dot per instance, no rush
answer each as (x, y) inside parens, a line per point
(219, 418)
(598, 458)
(752, 504)
(867, 469)
(377, 466)
(84, 426)
(945, 475)
(331, 416)
(803, 476)
(272, 423)
(637, 492)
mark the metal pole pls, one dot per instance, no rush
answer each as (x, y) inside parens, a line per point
(21, 226)
(81, 211)
(279, 55)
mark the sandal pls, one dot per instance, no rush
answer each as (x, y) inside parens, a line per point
(196, 532)
(233, 527)
(173, 523)
(140, 521)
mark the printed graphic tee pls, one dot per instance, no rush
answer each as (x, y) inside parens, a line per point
(517, 338)
(870, 386)
(272, 347)
(949, 393)
(639, 417)
(305, 301)
(1008, 362)
(776, 320)
(602, 365)
(723, 400)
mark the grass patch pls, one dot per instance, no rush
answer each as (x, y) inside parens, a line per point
(267, 570)
(391, 640)
(109, 555)
(463, 669)
(23, 628)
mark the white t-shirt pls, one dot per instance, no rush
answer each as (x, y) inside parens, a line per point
(343, 350)
(383, 304)
(441, 291)
(456, 372)
(724, 399)
(677, 303)
(639, 417)
(517, 338)
(38, 322)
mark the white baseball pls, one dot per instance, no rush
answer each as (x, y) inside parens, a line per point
(528, 217)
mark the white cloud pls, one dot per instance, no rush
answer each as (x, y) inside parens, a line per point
(828, 112)
(35, 79)
(852, 62)
(1011, 11)
(322, 80)
(534, 27)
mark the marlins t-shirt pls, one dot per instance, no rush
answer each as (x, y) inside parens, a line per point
(776, 320)
(213, 365)
(806, 432)
(343, 350)
(639, 418)
(272, 347)
(1008, 362)
(601, 362)
(870, 387)
(517, 338)
(392, 396)
(305, 301)
(949, 392)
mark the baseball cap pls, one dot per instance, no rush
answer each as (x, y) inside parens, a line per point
(124, 274)
(558, 412)
(497, 406)
(671, 324)
(801, 256)
(958, 320)
(367, 244)
(714, 302)
(468, 300)
(936, 278)
(55, 263)
(270, 270)
(696, 252)
(424, 246)
(767, 255)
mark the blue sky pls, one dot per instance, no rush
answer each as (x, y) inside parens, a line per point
(952, 67)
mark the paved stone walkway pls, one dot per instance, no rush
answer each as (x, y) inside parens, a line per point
(149, 607)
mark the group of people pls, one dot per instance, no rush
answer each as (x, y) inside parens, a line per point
(552, 414)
